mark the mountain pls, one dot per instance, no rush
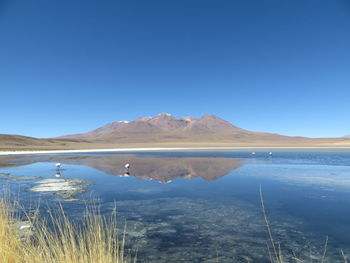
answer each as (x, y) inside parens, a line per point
(208, 130)
(163, 123)
(165, 130)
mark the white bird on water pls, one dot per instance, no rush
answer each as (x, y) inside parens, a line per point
(253, 153)
(58, 165)
(270, 153)
(127, 166)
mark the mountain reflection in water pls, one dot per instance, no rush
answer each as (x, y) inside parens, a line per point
(163, 170)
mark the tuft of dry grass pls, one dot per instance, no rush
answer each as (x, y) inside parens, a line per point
(95, 240)
(10, 244)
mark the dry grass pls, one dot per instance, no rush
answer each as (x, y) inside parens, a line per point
(93, 241)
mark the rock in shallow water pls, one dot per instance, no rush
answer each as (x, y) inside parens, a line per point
(67, 188)
(24, 229)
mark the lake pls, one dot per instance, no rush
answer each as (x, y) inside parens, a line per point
(200, 206)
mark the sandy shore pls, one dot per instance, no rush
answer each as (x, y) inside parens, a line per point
(150, 149)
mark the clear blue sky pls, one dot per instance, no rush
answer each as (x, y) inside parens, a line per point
(69, 66)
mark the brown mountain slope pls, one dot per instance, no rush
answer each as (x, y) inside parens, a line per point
(165, 130)
(209, 130)
(163, 125)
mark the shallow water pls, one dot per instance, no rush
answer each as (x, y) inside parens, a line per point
(201, 206)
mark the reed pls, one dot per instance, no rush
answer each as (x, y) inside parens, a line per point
(274, 247)
(95, 240)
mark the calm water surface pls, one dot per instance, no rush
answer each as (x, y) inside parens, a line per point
(201, 206)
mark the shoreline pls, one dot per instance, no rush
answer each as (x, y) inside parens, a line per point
(155, 149)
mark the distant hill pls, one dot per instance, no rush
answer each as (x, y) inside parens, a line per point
(165, 130)
(10, 142)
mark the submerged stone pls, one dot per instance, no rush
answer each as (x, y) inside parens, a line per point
(24, 229)
(67, 188)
